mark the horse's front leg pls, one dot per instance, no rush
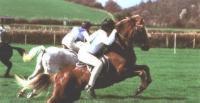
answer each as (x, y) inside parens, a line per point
(143, 72)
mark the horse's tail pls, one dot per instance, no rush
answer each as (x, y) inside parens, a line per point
(21, 51)
(33, 52)
(40, 82)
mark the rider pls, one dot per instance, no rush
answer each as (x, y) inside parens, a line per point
(2, 29)
(87, 53)
(75, 38)
(1, 32)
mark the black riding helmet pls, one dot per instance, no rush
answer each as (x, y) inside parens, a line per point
(86, 25)
(107, 25)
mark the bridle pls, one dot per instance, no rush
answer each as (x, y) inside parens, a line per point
(131, 26)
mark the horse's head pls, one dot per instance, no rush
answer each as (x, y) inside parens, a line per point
(132, 30)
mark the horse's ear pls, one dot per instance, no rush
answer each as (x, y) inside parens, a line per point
(136, 17)
(139, 20)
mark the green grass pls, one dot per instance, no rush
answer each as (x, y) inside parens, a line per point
(175, 80)
(174, 29)
(51, 9)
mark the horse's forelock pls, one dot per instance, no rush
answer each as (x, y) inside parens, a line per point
(138, 19)
(127, 27)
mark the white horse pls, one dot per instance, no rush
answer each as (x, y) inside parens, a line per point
(49, 61)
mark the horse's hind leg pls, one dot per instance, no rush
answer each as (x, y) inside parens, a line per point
(32, 94)
(21, 93)
(143, 72)
(65, 89)
(9, 66)
(38, 68)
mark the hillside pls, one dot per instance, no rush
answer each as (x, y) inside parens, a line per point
(169, 13)
(49, 9)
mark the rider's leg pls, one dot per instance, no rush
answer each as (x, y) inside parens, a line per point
(71, 46)
(94, 61)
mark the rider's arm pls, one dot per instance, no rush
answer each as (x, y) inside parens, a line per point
(74, 34)
(92, 36)
(109, 40)
(70, 36)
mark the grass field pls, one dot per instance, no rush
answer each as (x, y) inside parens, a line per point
(187, 30)
(50, 9)
(176, 79)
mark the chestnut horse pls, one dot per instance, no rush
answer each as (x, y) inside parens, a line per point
(70, 81)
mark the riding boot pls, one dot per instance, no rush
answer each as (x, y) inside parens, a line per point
(94, 74)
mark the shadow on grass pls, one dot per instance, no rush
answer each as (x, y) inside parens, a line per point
(113, 97)
(140, 97)
(10, 76)
(160, 98)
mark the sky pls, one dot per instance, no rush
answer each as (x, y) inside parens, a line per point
(123, 3)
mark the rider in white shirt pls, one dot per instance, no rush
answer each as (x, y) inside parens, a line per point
(1, 32)
(87, 54)
(75, 38)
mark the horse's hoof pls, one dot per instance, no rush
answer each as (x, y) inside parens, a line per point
(138, 91)
(20, 95)
(92, 94)
(31, 95)
(136, 94)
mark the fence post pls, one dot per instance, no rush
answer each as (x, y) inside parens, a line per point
(167, 41)
(12, 34)
(54, 38)
(175, 43)
(194, 41)
(25, 39)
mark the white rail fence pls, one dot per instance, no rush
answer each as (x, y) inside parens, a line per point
(54, 34)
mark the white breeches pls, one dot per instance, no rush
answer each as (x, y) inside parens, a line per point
(90, 59)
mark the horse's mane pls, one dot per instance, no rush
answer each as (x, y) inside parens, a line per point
(123, 44)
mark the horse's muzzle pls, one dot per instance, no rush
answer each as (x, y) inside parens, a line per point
(145, 47)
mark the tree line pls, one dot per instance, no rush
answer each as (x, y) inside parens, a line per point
(157, 13)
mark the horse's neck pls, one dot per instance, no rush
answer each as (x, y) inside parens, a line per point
(125, 55)
(124, 51)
